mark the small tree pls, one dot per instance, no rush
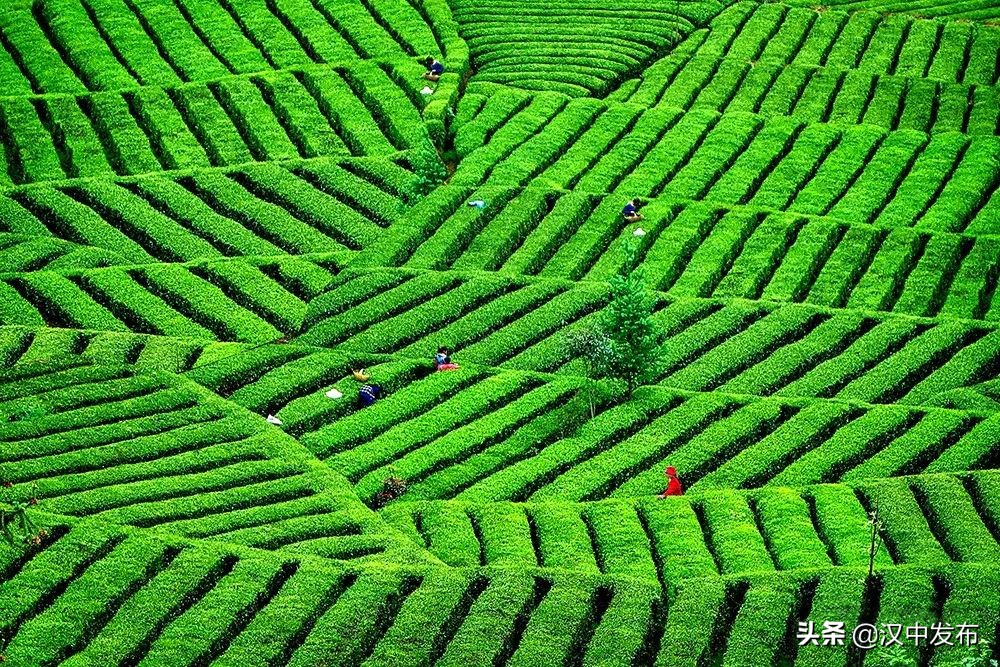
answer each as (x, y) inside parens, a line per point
(594, 346)
(16, 524)
(628, 322)
(429, 169)
(876, 539)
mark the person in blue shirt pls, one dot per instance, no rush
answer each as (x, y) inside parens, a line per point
(442, 360)
(631, 211)
(368, 394)
(434, 69)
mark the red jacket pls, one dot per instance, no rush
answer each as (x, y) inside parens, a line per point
(673, 486)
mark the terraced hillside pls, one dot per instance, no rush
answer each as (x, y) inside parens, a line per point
(213, 211)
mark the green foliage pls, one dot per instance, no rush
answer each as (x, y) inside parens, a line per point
(16, 523)
(895, 656)
(979, 656)
(596, 348)
(428, 167)
(628, 323)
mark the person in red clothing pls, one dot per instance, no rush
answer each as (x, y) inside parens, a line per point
(673, 484)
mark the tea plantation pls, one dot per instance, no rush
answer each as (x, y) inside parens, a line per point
(212, 212)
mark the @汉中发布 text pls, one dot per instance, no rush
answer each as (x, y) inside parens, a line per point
(868, 635)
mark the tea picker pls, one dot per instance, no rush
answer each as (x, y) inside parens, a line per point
(631, 211)
(674, 487)
(368, 394)
(442, 360)
(434, 69)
